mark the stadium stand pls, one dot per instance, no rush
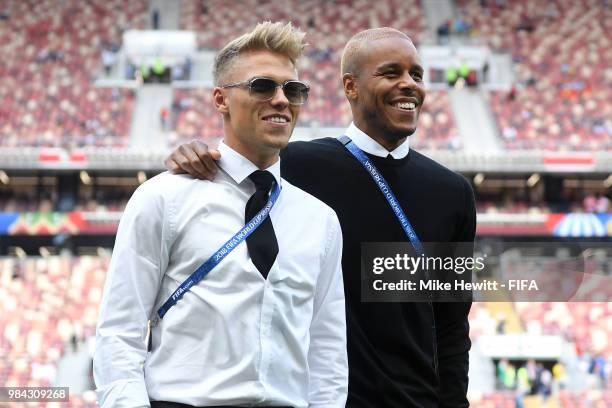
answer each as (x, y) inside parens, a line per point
(561, 52)
(328, 29)
(45, 302)
(497, 400)
(51, 52)
(588, 324)
(329, 24)
(99, 201)
(193, 116)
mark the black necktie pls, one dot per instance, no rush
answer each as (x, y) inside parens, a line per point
(262, 243)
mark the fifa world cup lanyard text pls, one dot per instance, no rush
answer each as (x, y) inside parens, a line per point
(399, 213)
(221, 253)
(386, 190)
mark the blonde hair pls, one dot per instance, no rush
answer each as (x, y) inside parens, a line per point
(351, 55)
(276, 37)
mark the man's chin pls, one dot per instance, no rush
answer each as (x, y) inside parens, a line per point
(410, 131)
(277, 142)
(400, 132)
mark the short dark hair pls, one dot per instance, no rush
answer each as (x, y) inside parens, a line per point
(351, 55)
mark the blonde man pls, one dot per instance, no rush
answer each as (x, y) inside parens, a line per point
(243, 290)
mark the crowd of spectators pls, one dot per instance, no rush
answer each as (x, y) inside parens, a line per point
(193, 116)
(50, 306)
(587, 325)
(596, 203)
(453, 26)
(564, 399)
(530, 378)
(96, 200)
(562, 53)
(51, 51)
(517, 379)
(533, 200)
(599, 204)
(328, 25)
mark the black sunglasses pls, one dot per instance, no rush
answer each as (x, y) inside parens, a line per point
(263, 89)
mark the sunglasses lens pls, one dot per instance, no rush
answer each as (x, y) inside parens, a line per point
(296, 92)
(263, 88)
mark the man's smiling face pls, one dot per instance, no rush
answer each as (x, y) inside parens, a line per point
(389, 88)
(259, 126)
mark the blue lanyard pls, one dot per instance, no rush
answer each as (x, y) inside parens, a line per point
(386, 190)
(221, 253)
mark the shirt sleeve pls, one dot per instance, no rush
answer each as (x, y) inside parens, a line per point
(327, 358)
(139, 258)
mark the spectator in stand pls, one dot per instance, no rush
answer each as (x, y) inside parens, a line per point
(501, 324)
(522, 386)
(464, 70)
(444, 29)
(532, 375)
(159, 70)
(108, 60)
(597, 368)
(164, 118)
(545, 388)
(603, 204)
(155, 19)
(559, 377)
(460, 27)
(451, 75)
(512, 93)
(506, 374)
(563, 106)
(590, 203)
(526, 23)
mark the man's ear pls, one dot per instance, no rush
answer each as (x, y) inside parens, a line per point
(220, 100)
(349, 82)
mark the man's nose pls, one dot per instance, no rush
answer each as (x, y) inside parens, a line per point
(407, 81)
(279, 98)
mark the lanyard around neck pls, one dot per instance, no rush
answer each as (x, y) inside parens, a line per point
(382, 184)
(221, 253)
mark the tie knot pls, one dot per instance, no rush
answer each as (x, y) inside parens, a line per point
(263, 179)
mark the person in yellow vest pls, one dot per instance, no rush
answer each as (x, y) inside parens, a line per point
(451, 75)
(522, 386)
(159, 69)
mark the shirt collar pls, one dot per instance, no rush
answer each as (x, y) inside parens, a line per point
(369, 145)
(239, 167)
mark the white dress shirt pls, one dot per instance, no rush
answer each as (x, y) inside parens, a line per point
(235, 338)
(371, 146)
